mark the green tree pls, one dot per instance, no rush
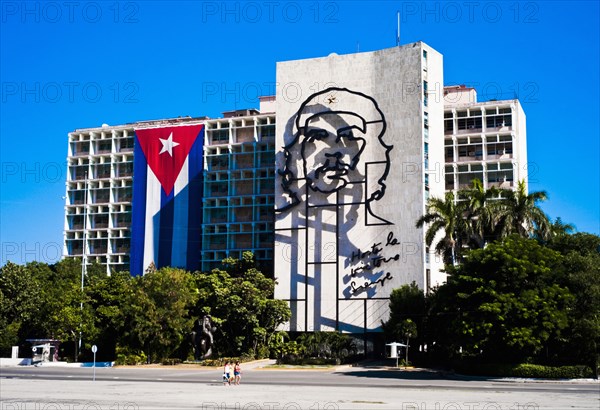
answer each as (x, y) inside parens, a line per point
(64, 311)
(242, 307)
(157, 311)
(407, 312)
(19, 302)
(503, 302)
(107, 297)
(580, 272)
(520, 213)
(481, 208)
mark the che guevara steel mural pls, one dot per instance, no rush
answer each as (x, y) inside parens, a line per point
(334, 166)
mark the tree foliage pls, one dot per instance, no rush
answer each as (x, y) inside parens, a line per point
(506, 300)
(156, 311)
(242, 307)
(477, 216)
(150, 316)
(515, 301)
(407, 313)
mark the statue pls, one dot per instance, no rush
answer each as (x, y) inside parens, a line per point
(202, 338)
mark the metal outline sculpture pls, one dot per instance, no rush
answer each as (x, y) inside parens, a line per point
(287, 175)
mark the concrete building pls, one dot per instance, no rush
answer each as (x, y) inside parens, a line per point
(363, 135)
(98, 195)
(359, 143)
(483, 140)
(238, 187)
(237, 198)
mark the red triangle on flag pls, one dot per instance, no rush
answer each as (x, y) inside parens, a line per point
(166, 149)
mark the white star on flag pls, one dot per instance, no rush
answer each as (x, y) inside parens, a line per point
(168, 145)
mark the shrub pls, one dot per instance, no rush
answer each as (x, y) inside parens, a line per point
(309, 361)
(128, 357)
(525, 370)
(171, 361)
(220, 361)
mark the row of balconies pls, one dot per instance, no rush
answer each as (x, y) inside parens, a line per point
(239, 214)
(476, 153)
(97, 247)
(476, 125)
(236, 241)
(75, 222)
(240, 135)
(84, 148)
(105, 171)
(239, 162)
(239, 188)
(500, 179)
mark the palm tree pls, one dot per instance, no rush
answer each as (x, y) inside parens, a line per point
(520, 213)
(481, 213)
(559, 228)
(555, 229)
(445, 215)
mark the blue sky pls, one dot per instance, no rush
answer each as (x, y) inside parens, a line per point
(68, 65)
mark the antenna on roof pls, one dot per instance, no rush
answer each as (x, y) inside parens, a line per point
(398, 31)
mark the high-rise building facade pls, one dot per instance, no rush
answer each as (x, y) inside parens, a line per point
(236, 206)
(483, 140)
(361, 135)
(99, 193)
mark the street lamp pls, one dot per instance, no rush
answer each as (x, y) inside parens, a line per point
(83, 258)
(406, 356)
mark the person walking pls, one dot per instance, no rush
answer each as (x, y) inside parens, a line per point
(237, 373)
(227, 374)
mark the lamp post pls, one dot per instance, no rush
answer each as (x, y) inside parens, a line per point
(406, 356)
(83, 259)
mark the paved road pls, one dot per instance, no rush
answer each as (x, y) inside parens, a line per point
(343, 388)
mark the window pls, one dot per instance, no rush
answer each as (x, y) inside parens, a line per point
(268, 131)
(502, 117)
(220, 135)
(448, 126)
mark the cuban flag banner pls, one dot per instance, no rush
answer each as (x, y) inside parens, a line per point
(167, 198)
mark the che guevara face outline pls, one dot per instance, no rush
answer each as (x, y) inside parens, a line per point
(341, 122)
(331, 148)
